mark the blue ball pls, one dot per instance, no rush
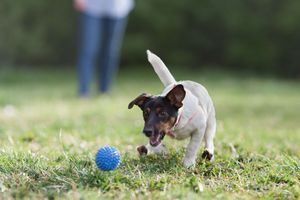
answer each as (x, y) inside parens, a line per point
(108, 158)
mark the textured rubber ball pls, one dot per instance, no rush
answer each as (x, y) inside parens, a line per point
(108, 158)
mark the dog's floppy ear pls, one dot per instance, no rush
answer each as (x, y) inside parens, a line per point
(176, 96)
(139, 101)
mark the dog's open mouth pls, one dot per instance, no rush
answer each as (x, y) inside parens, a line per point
(156, 139)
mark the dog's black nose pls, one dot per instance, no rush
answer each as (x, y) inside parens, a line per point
(148, 132)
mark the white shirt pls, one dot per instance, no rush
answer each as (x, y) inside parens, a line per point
(110, 8)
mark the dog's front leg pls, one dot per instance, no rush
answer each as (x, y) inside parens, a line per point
(192, 149)
(146, 149)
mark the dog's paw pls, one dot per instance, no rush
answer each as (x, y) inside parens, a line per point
(142, 150)
(189, 163)
(160, 149)
(208, 156)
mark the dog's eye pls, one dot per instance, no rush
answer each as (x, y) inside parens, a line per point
(163, 114)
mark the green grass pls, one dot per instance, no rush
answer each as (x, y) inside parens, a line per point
(48, 139)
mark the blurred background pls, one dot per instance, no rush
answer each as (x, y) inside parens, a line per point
(245, 52)
(262, 36)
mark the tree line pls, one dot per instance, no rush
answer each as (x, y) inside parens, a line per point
(261, 35)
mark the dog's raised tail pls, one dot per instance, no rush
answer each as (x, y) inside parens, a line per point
(161, 69)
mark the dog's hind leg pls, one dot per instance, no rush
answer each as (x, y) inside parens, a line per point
(209, 138)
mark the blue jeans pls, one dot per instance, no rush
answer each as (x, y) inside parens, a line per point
(100, 41)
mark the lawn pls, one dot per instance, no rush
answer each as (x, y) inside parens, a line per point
(49, 137)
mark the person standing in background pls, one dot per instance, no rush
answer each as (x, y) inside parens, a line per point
(102, 26)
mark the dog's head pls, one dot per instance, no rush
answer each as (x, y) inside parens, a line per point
(159, 112)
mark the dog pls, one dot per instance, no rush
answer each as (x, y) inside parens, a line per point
(183, 110)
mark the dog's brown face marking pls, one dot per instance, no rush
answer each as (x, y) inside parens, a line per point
(160, 113)
(167, 125)
(159, 116)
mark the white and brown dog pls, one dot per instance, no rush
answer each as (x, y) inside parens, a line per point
(184, 109)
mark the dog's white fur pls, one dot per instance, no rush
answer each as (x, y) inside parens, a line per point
(197, 115)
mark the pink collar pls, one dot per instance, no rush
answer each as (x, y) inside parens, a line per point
(178, 118)
(171, 133)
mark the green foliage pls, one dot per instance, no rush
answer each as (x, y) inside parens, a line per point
(49, 137)
(258, 35)
(252, 34)
(37, 32)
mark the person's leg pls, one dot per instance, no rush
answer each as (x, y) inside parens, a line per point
(110, 51)
(88, 47)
